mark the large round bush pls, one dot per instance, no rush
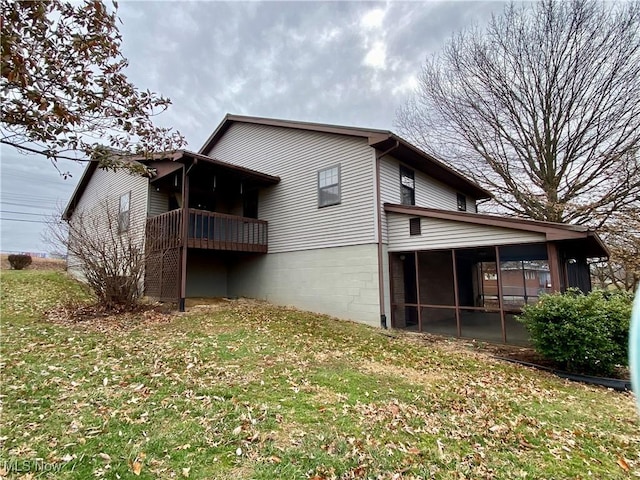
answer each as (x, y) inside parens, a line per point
(582, 333)
(19, 261)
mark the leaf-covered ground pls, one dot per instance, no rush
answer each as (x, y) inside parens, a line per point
(244, 390)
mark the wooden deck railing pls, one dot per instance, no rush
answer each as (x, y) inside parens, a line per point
(209, 230)
(164, 231)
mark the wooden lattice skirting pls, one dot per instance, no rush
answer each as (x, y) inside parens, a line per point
(162, 275)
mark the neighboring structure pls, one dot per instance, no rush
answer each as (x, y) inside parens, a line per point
(355, 223)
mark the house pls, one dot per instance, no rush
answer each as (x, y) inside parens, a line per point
(355, 223)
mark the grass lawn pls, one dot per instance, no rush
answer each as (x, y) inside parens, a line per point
(252, 391)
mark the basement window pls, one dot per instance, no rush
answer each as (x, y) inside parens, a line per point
(329, 186)
(414, 226)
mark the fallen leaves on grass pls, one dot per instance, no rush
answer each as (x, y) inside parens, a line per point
(97, 318)
(248, 390)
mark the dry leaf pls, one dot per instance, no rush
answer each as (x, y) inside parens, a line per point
(136, 467)
(440, 448)
(185, 472)
(623, 464)
(104, 457)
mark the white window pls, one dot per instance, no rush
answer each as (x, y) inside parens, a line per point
(462, 203)
(407, 186)
(123, 212)
(329, 186)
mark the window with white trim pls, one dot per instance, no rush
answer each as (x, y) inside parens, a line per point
(124, 212)
(329, 186)
(462, 202)
(407, 186)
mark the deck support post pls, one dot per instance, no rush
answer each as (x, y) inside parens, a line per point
(500, 295)
(415, 260)
(554, 267)
(456, 295)
(183, 239)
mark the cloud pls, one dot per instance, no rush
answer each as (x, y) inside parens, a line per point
(377, 55)
(373, 33)
(351, 63)
(373, 19)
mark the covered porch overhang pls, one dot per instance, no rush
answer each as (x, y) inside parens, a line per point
(209, 205)
(468, 275)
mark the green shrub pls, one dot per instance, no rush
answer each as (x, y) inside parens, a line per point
(582, 333)
(18, 262)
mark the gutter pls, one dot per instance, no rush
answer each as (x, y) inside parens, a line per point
(383, 315)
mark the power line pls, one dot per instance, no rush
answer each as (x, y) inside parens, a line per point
(27, 196)
(23, 204)
(23, 213)
(19, 220)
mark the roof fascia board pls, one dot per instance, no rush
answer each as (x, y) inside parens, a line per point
(272, 179)
(84, 181)
(179, 156)
(79, 190)
(163, 168)
(317, 127)
(184, 156)
(552, 231)
(374, 137)
(274, 122)
(478, 190)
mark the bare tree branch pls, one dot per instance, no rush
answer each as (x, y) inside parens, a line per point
(109, 257)
(542, 107)
(64, 87)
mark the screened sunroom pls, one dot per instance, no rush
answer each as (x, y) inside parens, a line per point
(468, 275)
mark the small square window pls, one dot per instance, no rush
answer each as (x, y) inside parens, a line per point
(414, 226)
(329, 186)
(462, 203)
(407, 186)
(123, 212)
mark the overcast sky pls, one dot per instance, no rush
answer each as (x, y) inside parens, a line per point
(346, 63)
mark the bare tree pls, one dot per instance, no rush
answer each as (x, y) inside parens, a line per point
(542, 108)
(622, 235)
(103, 250)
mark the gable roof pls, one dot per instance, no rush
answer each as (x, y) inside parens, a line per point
(382, 140)
(552, 231)
(165, 163)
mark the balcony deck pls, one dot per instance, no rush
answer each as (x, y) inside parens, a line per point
(207, 230)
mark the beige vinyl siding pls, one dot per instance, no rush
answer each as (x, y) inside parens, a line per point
(158, 202)
(437, 234)
(429, 192)
(291, 207)
(103, 193)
